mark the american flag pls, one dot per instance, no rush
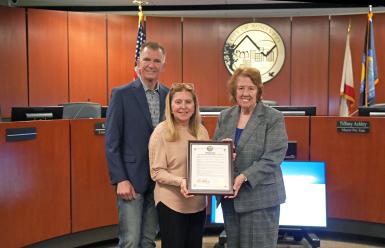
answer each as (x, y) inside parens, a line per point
(140, 39)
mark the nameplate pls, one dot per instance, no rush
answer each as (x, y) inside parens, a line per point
(100, 128)
(353, 126)
(20, 134)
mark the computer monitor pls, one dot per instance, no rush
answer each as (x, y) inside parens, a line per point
(211, 110)
(305, 205)
(36, 113)
(374, 110)
(286, 110)
(79, 110)
(297, 110)
(269, 102)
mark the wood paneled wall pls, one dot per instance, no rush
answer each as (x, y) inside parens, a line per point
(354, 168)
(35, 184)
(87, 45)
(47, 57)
(93, 199)
(309, 61)
(13, 59)
(201, 58)
(121, 43)
(82, 56)
(168, 32)
(202, 66)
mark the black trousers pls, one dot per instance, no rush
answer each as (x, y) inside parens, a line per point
(179, 230)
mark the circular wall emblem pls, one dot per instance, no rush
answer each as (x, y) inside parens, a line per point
(257, 45)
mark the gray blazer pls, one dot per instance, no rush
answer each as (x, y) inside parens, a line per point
(260, 151)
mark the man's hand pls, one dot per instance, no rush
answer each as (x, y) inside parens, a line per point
(125, 190)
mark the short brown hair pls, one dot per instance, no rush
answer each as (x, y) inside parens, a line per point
(250, 72)
(153, 46)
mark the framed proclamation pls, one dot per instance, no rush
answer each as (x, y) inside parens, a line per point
(210, 167)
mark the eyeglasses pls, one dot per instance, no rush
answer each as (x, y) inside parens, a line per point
(187, 86)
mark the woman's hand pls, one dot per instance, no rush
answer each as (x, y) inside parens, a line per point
(238, 181)
(183, 189)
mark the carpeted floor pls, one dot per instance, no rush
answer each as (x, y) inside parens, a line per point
(335, 241)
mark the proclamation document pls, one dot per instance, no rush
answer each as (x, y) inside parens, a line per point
(210, 169)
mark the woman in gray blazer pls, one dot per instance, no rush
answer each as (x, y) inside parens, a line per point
(251, 214)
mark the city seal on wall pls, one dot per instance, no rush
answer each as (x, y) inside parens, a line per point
(256, 45)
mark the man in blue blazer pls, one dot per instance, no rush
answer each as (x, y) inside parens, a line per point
(134, 110)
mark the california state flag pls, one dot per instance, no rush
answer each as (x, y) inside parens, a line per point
(347, 85)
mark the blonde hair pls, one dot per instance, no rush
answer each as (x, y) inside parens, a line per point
(250, 72)
(195, 119)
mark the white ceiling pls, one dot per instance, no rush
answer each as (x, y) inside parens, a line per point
(184, 8)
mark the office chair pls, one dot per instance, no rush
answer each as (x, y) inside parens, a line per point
(79, 110)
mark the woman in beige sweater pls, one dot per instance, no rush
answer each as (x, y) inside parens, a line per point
(181, 216)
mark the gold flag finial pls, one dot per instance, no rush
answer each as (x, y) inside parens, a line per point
(140, 3)
(370, 13)
(350, 25)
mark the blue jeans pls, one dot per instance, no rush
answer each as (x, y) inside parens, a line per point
(138, 222)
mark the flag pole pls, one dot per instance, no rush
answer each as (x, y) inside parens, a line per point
(366, 61)
(367, 70)
(354, 113)
(141, 35)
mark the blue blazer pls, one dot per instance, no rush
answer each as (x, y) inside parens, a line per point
(128, 130)
(260, 151)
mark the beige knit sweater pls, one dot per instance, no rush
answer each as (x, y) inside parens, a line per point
(168, 167)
